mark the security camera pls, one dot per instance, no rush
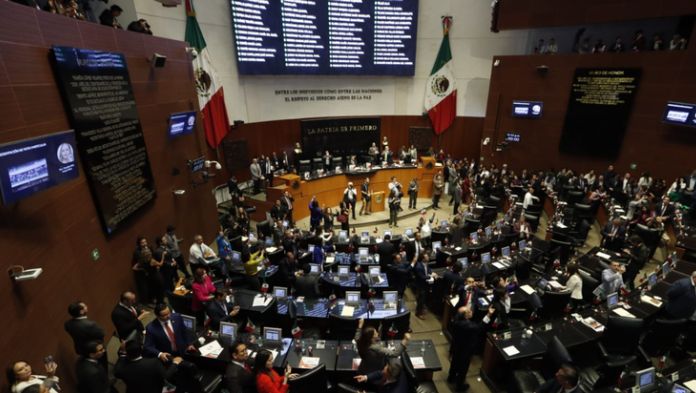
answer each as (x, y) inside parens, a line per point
(208, 164)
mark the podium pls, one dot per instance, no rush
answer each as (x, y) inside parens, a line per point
(377, 201)
(428, 162)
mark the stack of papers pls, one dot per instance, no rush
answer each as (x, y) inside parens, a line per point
(271, 249)
(308, 362)
(211, 350)
(499, 265)
(651, 301)
(603, 255)
(511, 350)
(691, 385)
(454, 300)
(527, 289)
(556, 285)
(330, 259)
(261, 300)
(347, 311)
(418, 362)
(622, 312)
(593, 324)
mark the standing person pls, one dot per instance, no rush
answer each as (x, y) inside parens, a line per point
(126, 317)
(154, 275)
(286, 200)
(366, 197)
(681, 298)
(612, 279)
(267, 380)
(139, 272)
(394, 205)
(350, 197)
(142, 374)
(268, 171)
(424, 277)
(174, 250)
(466, 334)
(373, 355)
(438, 188)
(574, 285)
(256, 175)
(92, 377)
(81, 329)
(457, 197)
(412, 193)
(315, 214)
(238, 376)
(203, 292)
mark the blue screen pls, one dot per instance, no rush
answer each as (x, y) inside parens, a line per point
(33, 165)
(527, 108)
(681, 114)
(360, 37)
(182, 123)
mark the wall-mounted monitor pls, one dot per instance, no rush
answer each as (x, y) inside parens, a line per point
(181, 123)
(32, 165)
(531, 109)
(681, 114)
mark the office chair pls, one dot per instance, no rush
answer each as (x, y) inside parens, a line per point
(495, 201)
(620, 347)
(346, 388)
(401, 323)
(314, 380)
(589, 284)
(563, 248)
(651, 237)
(529, 380)
(663, 336)
(471, 225)
(582, 211)
(342, 328)
(574, 196)
(415, 385)
(554, 303)
(189, 378)
(532, 220)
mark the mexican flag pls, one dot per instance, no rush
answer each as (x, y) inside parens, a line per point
(211, 97)
(440, 91)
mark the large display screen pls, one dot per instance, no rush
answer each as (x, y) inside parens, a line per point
(361, 37)
(101, 106)
(181, 123)
(681, 114)
(32, 165)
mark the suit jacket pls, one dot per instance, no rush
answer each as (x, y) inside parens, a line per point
(465, 334)
(125, 322)
(421, 277)
(457, 195)
(386, 253)
(238, 380)
(308, 286)
(156, 339)
(255, 170)
(83, 331)
(91, 377)
(145, 375)
(552, 386)
(681, 299)
(217, 314)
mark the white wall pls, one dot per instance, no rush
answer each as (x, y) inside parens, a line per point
(253, 98)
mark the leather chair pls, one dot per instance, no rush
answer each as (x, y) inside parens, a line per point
(554, 303)
(415, 385)
(583, 211)
(532, 220)
(563, 248)
(651, 237)
(529, 380)
(662, 336)
(342, 328)
(314, 380)
(346, 388)
(589, 284)
(620, 347)
(471, 226)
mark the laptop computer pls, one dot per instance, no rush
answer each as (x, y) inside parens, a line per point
(646, 380)
(390, 299)
(612, 300)
(365, 237)
(343, 271)
(666, 268)
(342, 236)
(542, 283)
(189, 326)
(228, 332)
(314, 268)
(464, 262)
(485, 258)
(488, 231)
(280, 292)
(272, 337)
(363, 254)
(269, 241)
(437, 245)
(505, 251)
(652, 280)
(474, 237)
(374, 274)
(352, 298)
(522, 244)
(676, 388)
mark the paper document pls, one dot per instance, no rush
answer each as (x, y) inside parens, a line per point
(593, 324)
(527, 289)
(511, 350)
(691, 385)
(454, 300)
(603, 255)
(622, 312)
(330, 259)
(499, 265)
(347, 311)
(309, 362)
(418, 362)
(651, 301)
(261, 301)
(211, 350)
(271, 250)
(556, 285)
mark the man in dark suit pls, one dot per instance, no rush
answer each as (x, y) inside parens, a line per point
(424, 277)
(81, 329)
(566, 381)
(613, 235)
(466, 334)
(165, 337)
(386, 252)
(238, 376)
(127, 317)
(219, 310)
(306, 284)
(681, 298)
(665, 211)
(142, 375)
(286, 200)
(92, 377)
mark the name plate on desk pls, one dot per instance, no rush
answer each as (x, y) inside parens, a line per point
(507, 335)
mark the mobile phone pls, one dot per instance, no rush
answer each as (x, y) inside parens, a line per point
(48, 359)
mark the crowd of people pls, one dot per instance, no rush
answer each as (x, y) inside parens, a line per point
(638, 43)
(82, 10)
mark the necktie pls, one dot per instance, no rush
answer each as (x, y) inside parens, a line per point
(135, 314)
(468, 298)
(202, 253)
(170, 335)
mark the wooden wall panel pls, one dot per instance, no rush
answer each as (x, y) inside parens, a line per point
(665, 151)
(58, 228)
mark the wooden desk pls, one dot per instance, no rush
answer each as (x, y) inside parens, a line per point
(378, 201)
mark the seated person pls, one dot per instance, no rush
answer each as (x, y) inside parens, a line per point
(566, 381)
(390, 379)
(200, 253)
(218, 310)
(238, 375)
(21, 379)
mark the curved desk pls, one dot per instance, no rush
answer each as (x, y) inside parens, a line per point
(329, 189)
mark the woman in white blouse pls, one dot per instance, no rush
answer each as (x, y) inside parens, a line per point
(574, 285)
(20, 378)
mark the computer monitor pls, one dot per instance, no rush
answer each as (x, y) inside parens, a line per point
(310, 248)
(387, 233)
(352, 297)
(390, 297)
(272, 334)
(314, 268)
(343, 270)
(252, 237)
(375, 270)
(236, 256)
(408, 232)
(485, 257)
(645, 380)
(542, 283)
(189, 326)
(363, 251)
(365, 234)
(280, 292)
(505, 251)
(666, 268)
(612, 300)
(489, 231)
(522, 245)
(652, 280)
(463, 262)
(269, 241)
(342, 235)
(474, 237)
(437, 245)
(676, 388)
(228, 331)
